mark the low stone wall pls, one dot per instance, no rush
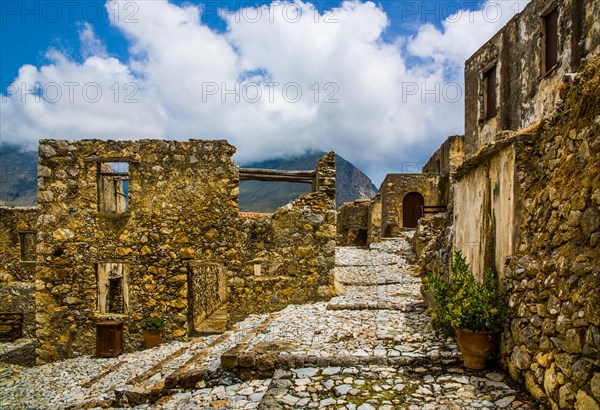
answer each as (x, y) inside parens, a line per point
(352, 223)
(432, 244)
(552, 342)
(288, 257)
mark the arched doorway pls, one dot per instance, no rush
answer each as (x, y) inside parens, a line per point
(412, 209)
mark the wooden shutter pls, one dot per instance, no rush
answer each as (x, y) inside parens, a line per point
(490, 97)
(551, 47)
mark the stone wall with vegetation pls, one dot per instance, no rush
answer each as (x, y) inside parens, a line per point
(287, 257)
(17, 263)
(552, 342)
(182, 207)
(353, 223)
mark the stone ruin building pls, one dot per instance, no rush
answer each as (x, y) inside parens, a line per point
(519, 193)
(129, 229)
(522, 191)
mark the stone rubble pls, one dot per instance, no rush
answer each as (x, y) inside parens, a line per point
(391, 358)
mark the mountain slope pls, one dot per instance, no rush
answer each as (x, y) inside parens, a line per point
(18, 176)
(258, 196)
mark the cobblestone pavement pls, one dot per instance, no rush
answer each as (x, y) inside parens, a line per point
(368, 348)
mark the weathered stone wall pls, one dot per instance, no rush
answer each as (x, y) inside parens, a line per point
(352, 223)
(17, 275)
(447, 158)
(374, 223)
(485, 208)
(525, 92)
(552, 342)
(287, 257)
(393, 189)
(182, 207)
(14, 221)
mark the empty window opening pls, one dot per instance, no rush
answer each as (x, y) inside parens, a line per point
(550, 40)
(113, 288)
(490, 84)
(27, 240)
(113, 187)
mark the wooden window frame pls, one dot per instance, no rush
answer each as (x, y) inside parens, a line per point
(103, 280)
(488, 100)
(105, 176)
(549, 66)
(22, 252)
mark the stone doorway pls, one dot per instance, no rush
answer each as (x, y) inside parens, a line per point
(412, 209)
(207, 297)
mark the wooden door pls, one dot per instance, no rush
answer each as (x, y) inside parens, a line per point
(412, 209)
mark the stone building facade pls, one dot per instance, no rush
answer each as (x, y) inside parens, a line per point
(128, 229)
(406, 197)
(511, 84)
(526, 196)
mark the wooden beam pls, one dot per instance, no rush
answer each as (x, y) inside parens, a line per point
(96, 158)
(256, 174)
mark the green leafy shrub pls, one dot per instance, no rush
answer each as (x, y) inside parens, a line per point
(464, 303)
(153, 323)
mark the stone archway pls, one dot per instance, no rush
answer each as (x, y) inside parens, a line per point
(412, 209)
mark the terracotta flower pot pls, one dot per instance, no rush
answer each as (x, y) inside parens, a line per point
(152, 338)
(476, 348)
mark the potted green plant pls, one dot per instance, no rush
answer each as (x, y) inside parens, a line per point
(472, 311)
(153, 327)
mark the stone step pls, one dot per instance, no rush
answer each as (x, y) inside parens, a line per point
(183, 370)
(215, 323)
(251, 365)
(403, 307)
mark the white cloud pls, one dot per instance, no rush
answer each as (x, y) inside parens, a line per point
(387, 111)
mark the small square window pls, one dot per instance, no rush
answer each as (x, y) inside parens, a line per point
(490, 100)
(113, 187)
(28, 242)
(550, 29)
(113, 287)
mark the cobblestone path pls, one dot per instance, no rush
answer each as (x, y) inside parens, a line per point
(369, 348)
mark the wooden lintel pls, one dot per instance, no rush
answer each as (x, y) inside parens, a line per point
(96, 158)
(256, 174)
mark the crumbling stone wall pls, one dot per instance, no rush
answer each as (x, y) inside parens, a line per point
(525, 91)
(287, 257)
(374, 222)
(352, 223)
(17, 263)
(552, 342)
(393, 190)
(182, 208)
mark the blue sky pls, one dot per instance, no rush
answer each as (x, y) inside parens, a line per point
(384, 78)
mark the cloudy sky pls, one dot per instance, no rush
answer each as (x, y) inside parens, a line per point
(381, 83)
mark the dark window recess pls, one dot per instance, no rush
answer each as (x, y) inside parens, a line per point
(113, 187)
(115, 295)
(551, 39)
(113, 289)
(491, 102)
(28, 242)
